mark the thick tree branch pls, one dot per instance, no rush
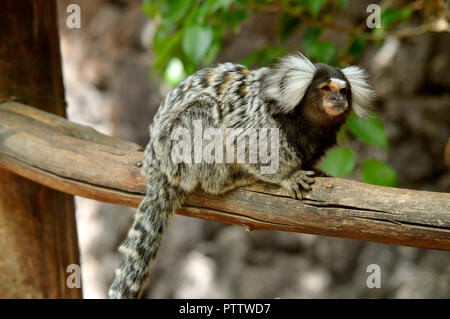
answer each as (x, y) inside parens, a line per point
(78, 160)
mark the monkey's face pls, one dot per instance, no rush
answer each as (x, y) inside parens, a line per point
(333, 96)
(329, 93)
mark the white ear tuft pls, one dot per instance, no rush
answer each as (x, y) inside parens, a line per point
(288, 81)
(362, 94)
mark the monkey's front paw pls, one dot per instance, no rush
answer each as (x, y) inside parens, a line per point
(300, 181)
(319, 173)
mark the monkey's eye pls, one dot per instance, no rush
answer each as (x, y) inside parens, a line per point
(325, 88)
(343, 90)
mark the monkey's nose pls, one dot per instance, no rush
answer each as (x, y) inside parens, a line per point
(337, 101)
(334, 98)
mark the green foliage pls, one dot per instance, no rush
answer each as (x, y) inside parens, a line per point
(263, 56)
(339, 162)
(174, 72)
(370, 130)
(191, 33)
(357, 45)
(196, 42)
(287, 25)
(315, 6)
(378, 173)
(317, 50)
(193, 30)
(390, 17)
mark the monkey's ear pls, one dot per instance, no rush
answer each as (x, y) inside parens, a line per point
(288, 81)
(362, 94)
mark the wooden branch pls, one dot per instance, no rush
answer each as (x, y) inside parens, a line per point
(77, 160)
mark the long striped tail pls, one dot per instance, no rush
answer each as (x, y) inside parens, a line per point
(144, 238)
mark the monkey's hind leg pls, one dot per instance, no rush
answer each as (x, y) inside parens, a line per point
(223, 179)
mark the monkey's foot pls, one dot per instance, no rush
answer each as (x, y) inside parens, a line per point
(301, 180)
(319, 173)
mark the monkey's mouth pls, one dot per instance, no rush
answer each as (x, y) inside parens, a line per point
(334, 109)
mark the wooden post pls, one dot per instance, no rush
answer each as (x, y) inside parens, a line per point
(38, 237)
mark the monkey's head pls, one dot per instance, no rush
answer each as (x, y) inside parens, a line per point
(322, 91)
(329, 93)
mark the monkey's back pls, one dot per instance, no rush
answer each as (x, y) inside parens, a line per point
(224, 96)
(227, 84)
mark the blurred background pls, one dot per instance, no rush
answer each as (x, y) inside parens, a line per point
(129, 53)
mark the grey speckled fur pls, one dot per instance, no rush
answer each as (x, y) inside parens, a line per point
(226, 96)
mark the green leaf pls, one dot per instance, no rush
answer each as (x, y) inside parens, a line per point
(165, 49)
(160, 39)
(195, 16)
(214, 5)
(314, 7)
(370, 130)
(233, 18)
(196, 42)
(321, 52)
(311, 35)
(287, 25)
(318, 51)
(174, 73)
(152, 8)
(339, 162)
(212, 53)
(378, 173)
(176, 9)
(189, 66)
(358, 45)
(391, 16)
(324, 52)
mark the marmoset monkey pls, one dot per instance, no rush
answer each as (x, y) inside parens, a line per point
(304, 103)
